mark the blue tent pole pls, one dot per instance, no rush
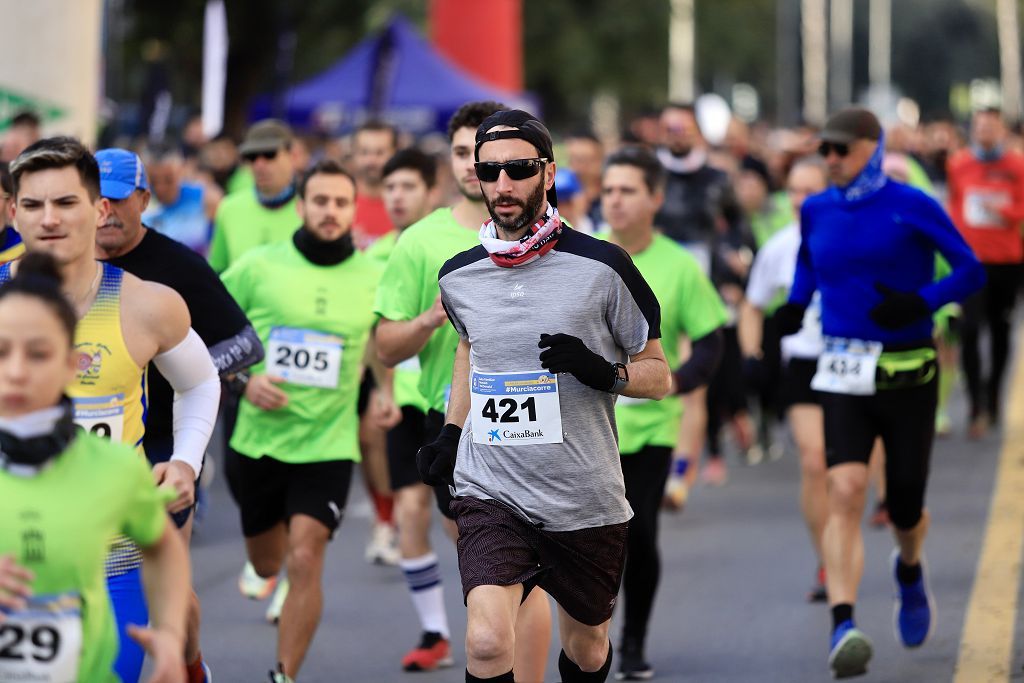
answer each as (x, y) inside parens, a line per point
(383, 71)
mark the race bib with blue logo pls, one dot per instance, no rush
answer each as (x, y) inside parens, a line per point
(847, 366)
(42, 642)
(305, 357)
(515, 408)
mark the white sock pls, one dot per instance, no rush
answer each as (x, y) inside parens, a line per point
(424, 578)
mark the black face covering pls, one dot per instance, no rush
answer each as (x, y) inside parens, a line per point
(320, 252)
(36, 451)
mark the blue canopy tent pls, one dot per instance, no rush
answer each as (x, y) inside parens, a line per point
(396, 76)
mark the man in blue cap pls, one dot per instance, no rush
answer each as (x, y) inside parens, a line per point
(122, 240)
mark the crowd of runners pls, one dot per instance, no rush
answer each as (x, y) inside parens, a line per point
(548, 340)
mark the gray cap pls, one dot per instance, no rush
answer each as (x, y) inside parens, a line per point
(266, 136)
(852, 123)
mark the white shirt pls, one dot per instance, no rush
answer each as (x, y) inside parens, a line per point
(772, 275)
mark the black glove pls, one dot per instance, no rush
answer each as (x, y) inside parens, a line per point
(898, 309)
(789, 318)
(566, 353)
(436, 460)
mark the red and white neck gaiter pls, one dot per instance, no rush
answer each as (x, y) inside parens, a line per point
(537, 241)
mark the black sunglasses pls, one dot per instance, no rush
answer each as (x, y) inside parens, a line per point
(253, 156)
(517, 169)
(840, 148)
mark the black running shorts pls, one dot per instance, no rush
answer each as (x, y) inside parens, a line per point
(796, 383)
(272, 491)
(404, 439)
(580, 569)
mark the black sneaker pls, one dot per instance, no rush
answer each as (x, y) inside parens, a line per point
(632, 666)
(818, 593)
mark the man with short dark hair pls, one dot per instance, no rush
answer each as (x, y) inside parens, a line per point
(124, 241)
(986, 201)
(373, 144)
(413, 325)
(310, 299)
(124, 324)
(11, 246)
(868, 246)
(539, 498)
(649, 431)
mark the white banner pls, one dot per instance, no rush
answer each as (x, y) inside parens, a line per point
(215, 66)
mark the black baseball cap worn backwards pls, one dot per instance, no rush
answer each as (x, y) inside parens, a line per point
(525, 126)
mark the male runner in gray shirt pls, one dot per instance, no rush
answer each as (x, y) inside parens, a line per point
(539, 492)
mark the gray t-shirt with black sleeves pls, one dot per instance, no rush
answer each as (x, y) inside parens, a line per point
(584, 287)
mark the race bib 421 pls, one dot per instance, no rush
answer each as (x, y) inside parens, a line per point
(515, 408)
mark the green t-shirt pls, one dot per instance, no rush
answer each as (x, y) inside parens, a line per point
(314, 322)
(59, 524)
(240, 180)
(774, 218)
(691, 307)
(407, 373)
(242, 223)
(409, 287)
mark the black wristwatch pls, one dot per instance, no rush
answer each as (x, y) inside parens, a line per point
(621, 378)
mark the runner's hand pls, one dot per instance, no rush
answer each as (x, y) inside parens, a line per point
(179, 477)
(898, 309)
(384, 412)
(789, 318)
(435, 316)
(436, 460)
(14, 584)
(165, 651)
(262, 392)
(566, 353)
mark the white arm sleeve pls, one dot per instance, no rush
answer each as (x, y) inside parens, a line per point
(190, 372)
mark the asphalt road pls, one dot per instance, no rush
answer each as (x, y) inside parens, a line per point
(737, 564)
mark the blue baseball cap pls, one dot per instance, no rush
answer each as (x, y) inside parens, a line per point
(568, 184)
(121, 173)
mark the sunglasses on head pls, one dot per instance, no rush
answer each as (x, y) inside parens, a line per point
(253, 156)
(517, 169)
(840, 148)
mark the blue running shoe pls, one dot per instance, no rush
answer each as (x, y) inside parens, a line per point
(913, 617)
(850, 653)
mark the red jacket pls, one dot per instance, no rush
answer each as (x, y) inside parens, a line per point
(986, 201)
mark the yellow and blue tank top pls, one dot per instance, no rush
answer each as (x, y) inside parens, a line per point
(11, 246)
(109, 390)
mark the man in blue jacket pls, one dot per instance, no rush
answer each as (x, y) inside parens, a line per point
(868, 246)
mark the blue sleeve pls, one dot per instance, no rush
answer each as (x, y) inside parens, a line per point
(805, 281)
(967, 274)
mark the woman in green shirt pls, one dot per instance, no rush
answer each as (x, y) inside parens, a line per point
(63, 497)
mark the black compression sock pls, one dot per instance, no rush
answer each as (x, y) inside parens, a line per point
(571, 673)
(840, 613)
(503, 678)
(907, 575)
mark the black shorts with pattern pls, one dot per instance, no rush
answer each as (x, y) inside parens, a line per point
(580, 569)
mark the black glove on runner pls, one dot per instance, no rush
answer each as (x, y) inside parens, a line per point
(789, 318)
(436, 460)
(898, 309)
(566, 353)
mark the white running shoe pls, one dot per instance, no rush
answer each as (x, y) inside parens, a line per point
(383, 545)
(253, 586)
(277, 602)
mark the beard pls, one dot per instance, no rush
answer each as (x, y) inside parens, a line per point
(473, 193)
(530, 210)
